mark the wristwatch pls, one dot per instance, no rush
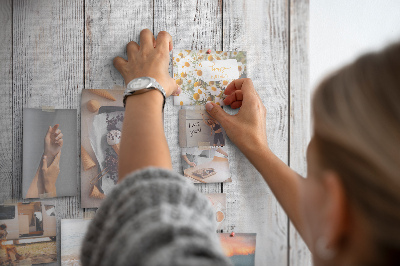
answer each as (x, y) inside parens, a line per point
(142, 85)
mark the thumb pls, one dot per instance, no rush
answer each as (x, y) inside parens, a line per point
(49, 131)
(217, 113)
(44, 163)
(56, 159)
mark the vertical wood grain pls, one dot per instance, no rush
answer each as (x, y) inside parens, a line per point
(47, 70)
(261, 29)
(5, 101)
(193, 25)
(51, 50)
(109, 26)
(299, 111)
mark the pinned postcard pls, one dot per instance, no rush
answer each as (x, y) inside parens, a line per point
(102, 114)
(73, 232)
(49, 153)
(218, 202)
(240, 248)
(28, 233)
(204, 76)
(197, 128)
(206, 164)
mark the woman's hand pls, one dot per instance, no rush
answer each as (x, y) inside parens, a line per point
(53, 142)
(150, 59)
(247, 129)
(50, 174)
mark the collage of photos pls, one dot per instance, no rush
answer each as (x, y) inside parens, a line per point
(28, 233)
(102, 114)
(204, 74)
(28, 230)
(49, 153)
(203, 150)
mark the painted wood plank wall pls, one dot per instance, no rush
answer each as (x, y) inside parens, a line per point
(261, 29)
(52, 50)
(47, 70)
(299, 93)
(6, 165)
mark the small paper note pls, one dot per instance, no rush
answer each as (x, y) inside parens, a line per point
(219, 70)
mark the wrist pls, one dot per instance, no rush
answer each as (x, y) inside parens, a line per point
(49, 187)
(150, 99)
(256, 148)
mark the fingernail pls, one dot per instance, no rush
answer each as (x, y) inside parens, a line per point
(179, 90)
(209, 106)
(44, 157)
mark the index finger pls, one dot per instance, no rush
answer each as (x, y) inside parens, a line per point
(146, 40)
(55, 127)
(164, 41)
(244, 84)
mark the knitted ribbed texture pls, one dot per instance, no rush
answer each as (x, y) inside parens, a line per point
(153, 217)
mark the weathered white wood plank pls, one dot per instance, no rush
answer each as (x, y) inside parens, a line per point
(6, 101)
(47, 70)
(109, 26)
(299, 111)
(261, 29)
(193, 25)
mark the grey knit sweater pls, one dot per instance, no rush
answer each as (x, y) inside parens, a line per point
(153, 217)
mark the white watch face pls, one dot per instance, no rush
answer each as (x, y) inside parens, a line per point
(140, 83)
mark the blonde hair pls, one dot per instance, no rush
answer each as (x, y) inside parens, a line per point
(357, 134)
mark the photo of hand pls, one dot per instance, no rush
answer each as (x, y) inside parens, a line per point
(44, 182)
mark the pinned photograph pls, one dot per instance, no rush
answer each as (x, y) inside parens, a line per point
(28, 233)
(206, 164)
(102, 114)
(218, 201)
(203, 76)
(72, 234)
(197, 128)
(240, 248)
(49, 153)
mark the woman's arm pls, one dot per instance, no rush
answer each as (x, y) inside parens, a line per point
(205, 122)
(143, 141)
(251, 122)
(184, 157)
(45, 179)
(36, 186)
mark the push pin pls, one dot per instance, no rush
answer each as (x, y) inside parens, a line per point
(208, 51)
(232, 234)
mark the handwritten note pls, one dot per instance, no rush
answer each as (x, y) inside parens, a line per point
(219, 70)
(194, 128)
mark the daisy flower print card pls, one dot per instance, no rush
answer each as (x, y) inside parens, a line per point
(203, 75)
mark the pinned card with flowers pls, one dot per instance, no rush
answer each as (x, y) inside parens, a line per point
(203, 75)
